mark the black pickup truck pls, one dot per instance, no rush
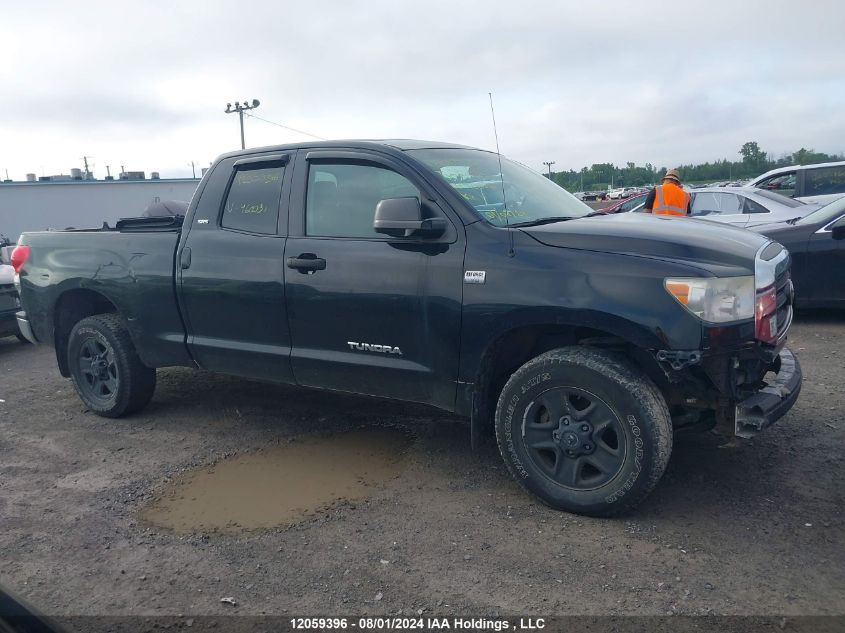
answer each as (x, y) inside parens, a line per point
(438, 274)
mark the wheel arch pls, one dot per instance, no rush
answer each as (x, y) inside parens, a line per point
(510, 349)
(70, 308)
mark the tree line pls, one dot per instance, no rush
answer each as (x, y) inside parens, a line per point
(752, 162)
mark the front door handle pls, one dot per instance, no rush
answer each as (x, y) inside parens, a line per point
(185, 258)
(307, 263)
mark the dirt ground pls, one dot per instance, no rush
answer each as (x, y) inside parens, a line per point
(753, 529)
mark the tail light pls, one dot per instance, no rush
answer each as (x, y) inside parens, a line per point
(765, 315)
(19, 257)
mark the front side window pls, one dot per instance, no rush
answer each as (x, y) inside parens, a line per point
(710, 203)
(341, 198)
(510, 194)
(252, 203)
(824, 181)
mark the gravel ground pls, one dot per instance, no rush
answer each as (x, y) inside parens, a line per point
(751, 529)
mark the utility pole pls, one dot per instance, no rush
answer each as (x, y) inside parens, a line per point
(240, 108)
(549, 165)
(87, 171)
(194, 169)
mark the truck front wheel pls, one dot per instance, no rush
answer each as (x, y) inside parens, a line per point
(105, 368)
(584, 431)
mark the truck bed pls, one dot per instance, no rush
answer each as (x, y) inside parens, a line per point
(132, 264)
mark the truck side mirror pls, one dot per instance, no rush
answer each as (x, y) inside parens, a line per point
(403, 217)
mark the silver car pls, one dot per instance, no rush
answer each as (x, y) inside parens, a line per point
(745, 206)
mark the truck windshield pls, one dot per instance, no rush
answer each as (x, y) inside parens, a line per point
(514, 195)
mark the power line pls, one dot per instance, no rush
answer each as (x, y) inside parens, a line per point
(287, 127)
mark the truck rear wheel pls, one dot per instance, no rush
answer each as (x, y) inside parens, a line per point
(584, 431)
(105, 368)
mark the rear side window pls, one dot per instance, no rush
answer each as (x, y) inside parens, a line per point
(708, 203)
(342, 197)
(825, 180)
(753, 207)
(252, 203)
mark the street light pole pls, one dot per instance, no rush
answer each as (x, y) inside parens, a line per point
(549, 165)
(240, 108)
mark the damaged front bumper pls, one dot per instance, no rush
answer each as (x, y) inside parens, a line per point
(771, 403)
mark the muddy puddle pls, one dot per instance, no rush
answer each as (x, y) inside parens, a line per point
(281, 485)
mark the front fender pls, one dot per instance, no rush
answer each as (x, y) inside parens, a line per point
(622, 295)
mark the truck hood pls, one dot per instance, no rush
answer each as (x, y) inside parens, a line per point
(720, 249)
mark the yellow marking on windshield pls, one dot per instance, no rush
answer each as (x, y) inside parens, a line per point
(502, 215)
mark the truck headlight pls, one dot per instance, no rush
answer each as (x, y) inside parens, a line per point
(715, 299)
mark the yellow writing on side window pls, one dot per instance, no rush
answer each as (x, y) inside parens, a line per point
(257, 177)
(252, 209)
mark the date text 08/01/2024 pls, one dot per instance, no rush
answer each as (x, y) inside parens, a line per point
(419, 624)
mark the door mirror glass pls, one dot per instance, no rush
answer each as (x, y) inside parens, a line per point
(403, 217)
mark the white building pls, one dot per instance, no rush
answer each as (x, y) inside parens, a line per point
(37, 206)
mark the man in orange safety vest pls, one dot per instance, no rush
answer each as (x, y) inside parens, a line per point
(668, 198)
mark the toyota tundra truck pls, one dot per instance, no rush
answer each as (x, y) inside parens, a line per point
(440, 274)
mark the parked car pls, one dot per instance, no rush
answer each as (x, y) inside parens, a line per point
(9, 303)
(631, 203)
(591, 196)
(745, 206)
(622, 192)
(816, 243)
(572, 337)
(820, 183)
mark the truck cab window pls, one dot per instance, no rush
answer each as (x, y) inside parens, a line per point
(342, 197)
(824, 181)
(253, 201)
(783, 184)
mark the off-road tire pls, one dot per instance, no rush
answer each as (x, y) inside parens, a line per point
(642, 427)
(128, 385)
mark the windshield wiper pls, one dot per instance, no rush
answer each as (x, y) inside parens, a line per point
(593, 214)
(539, 221)
(792, 220)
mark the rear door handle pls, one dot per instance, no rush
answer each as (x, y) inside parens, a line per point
(185, 258)
(307, 263)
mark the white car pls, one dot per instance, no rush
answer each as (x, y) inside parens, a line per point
(745, 206)
(622, 192)
(820, 183)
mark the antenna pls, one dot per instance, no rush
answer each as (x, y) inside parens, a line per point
(501, 175)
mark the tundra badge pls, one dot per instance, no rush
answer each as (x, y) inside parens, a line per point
(369, 347)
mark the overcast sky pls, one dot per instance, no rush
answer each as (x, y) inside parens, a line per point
(144, 84)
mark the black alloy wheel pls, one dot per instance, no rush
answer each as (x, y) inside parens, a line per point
(97, 366)
(106, 370)
(574, 438)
